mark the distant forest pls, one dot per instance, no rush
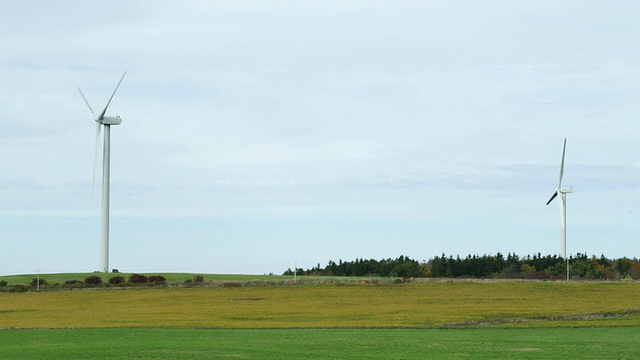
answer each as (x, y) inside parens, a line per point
(549, 267)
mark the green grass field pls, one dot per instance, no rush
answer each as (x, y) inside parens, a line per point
(264, 319)
(555, 343)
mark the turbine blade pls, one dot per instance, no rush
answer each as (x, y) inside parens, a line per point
(564, 148)
(552, 197)
(111, 98)
(87, 102)
(95, 158)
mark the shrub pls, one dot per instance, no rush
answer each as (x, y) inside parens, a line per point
(231, 284)
(137, 279)
(73, 284)
(116, 280)
(93, 280)
(158, 279)
(34, 282)
(188, 281)
(18, 288)
(3, 283)
(198, 278)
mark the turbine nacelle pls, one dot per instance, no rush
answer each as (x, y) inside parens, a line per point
(566, 190)
(110, 120)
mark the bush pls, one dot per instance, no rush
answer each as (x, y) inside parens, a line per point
(188, 281)
(93, 280)
(198, 278)
(3, 283)
(73, 284)
(34, 282)
(232, 285)
(137, 279)
(116, 280)
(158, 279)
(18, 288)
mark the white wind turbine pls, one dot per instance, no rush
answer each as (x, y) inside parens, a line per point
(105, 121)
(563, 206)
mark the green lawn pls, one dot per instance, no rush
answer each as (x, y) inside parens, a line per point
(554, 343)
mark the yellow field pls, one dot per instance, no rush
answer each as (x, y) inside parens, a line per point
(411, 305)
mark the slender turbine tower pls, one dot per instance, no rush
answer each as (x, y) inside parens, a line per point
(105, 121)
(563, 206)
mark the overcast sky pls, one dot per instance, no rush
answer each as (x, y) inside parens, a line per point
(257, 133)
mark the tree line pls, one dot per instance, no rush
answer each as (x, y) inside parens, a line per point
(402, 266)
(582, 267)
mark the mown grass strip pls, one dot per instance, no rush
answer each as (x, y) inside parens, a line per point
(412, 305)
(554, 343)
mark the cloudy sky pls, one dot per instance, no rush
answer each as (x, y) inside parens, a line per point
(256, 133)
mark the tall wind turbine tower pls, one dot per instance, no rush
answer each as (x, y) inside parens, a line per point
(106, 121)
(563, 206)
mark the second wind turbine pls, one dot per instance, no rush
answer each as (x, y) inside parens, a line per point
(563, 206)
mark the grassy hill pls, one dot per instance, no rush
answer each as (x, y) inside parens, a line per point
(60, 278)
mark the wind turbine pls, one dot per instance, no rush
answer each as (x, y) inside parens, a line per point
(105, 121)
(563, 206)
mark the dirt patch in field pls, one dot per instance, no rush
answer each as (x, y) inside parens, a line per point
(524, 320)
